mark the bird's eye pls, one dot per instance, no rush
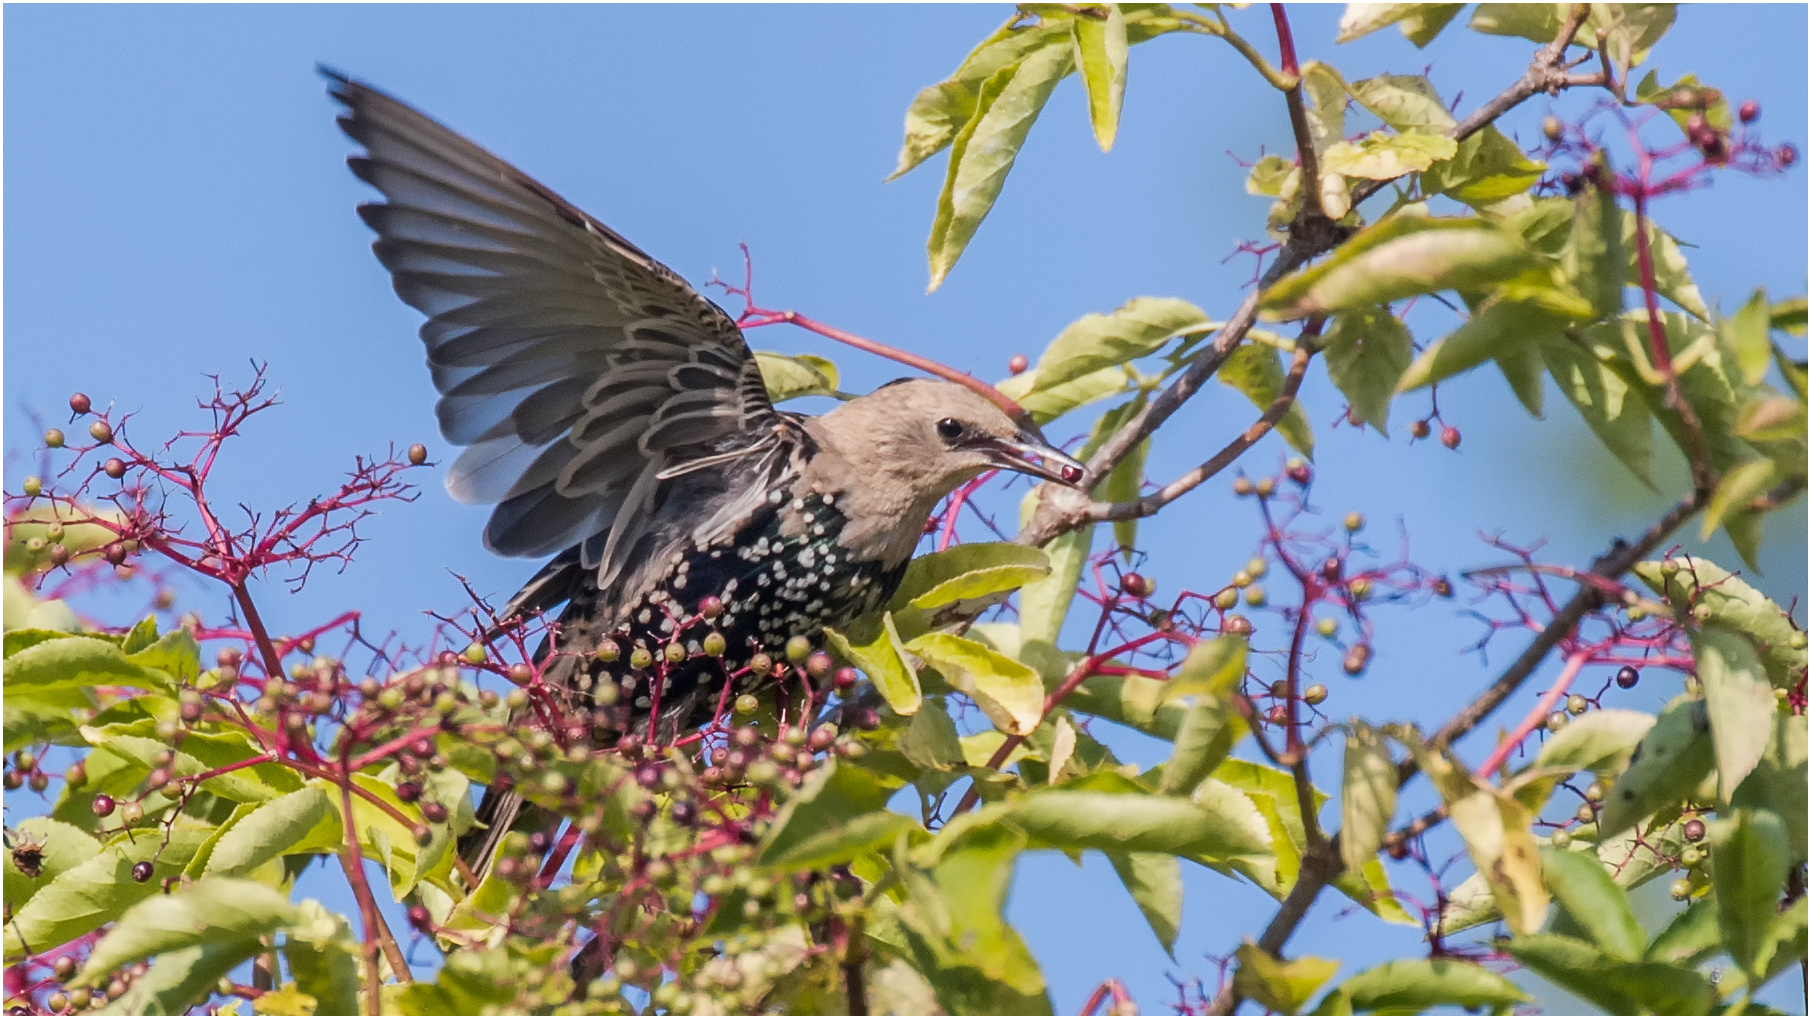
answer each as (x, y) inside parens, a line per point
(949, 429)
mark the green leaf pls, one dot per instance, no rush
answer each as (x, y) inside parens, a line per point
(72, 663)
(213, 909)
(1278, 985)
(1593, 901)
(1486, 169)
(1422, 26)
(967, 571)
(1624, 988)
(1672, 276)
(1692, 935)
(1326, 107)
(200, 753)
(1789, 315)
(1739, 486)
(1047, 403)
(1699, 588)
(1211, 671)
(1495, 828)
(1419, 22)
(1044, 604)
(1618, 417)
(1739, 701)
(1667, 765)
(1209, 730)
(1401, 256)
(271, 830)
(1406, 102)
(1123, 484)
(1085, 815)
(175, 654)
(1778, 782)
(323, 958)
(1270, 176)
(1416, 986)
(1255, 370)
(883, 660)
(1155, 881)
(179, 980)
(1501, 328)
(838, 814)
(976, 962)
(1367, 351)
(1010, 693)
(940, 111)
(62, 847)
(1749, 847)
(985, 148)
(1382, 156)
(792, 376)
(1367, 796)
(1140, 327)
(1746, 335)
(1100, 54)
(1600, 742)
(931, 741)
(1535, 22)
(1593, 258)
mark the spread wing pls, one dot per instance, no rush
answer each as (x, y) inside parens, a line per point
(577, 371)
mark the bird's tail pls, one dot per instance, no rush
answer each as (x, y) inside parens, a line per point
(496, 815)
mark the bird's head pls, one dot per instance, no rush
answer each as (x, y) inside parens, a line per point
(930, 436)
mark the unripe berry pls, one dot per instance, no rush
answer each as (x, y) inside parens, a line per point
(1443, 587)
(1594, 792)
(102, 432)
(1238, 625)
(32, 485)
(520, 674)
(1561, 839)
(1226, 599)
(1691, 856)
(1449, 437)
(1557, 721)
(747, 704)
(1360, 588)
(1552, 128)
(1680, 890)
(1420, 429)
(1018, 363)
(64, 967)
(418, 454)
(640, 659)
(1586, 813)
(53, 438)
(1327, 626)
(710, 607)
(674, 653)
(474, 654)
(818, 665)
(797, 649)
(1265, 486)
(1241, 486)
(1315, 694)
(114, 468)
(1355, 521)
(608, 651)
(761, 664)
(1254, 596)
(13, 780)
(76, 775)
(1357, 659)
(1577, 705)
(714, 644)
(1278, 715)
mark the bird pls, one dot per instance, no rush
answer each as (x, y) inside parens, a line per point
(619, 422)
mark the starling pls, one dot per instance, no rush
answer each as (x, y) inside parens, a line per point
(620, 423)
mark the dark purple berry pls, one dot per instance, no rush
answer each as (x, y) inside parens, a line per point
(141, 871)
(1627, 676)
(103, 805)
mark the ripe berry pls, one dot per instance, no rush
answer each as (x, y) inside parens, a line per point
(1627, 676)
(647, 775)
(1239, 625)
(1278, 715)
(103, 805)
(434, 812)
(102, 432)
(1018, 363)
(1449, 437)
(520, 674)
(141, 871)
(629, 747)
(114, 468)
(418, 454)
(1694, 830)
(1136, 585)
(818, 665)
(1420, 429)
(76, 775)
(684, 814)
(13, 780)
(1749, 112)
(1398, 851)
(1356, 659)
(1785, 156)
(64, 967)
(1330, 570)
(53, 438)
(846, 678)
(408, 792)
(1299, 471)
(420, 920)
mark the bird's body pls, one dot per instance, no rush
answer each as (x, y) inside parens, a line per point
(620, 423)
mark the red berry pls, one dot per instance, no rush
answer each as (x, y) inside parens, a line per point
(408, 792)
(1449, 437)
(79, 402)
(710, 606)
(103, 805)
(648, 775)
(1300, 472)
(141, 871)
(1137, 585)
(1399, 851)
(1357, 659)
(1785, 156)
(420, 920)
(846, 678)
(629, 747)
(114, 468)
(1018, 363)
(418, 454)
(520, 674)
(1330, 570)
(1750, 111)
(434, 812)
(539, 842)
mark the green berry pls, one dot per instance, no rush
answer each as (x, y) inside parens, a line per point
(640, 659)
(747, 704)
(474, 654)
(1355, 521)
(1327, 627)
(798, 649)
(32, 486)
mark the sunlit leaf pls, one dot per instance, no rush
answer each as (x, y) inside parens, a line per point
(882, 658)
(1401, 256)
(1417, 986)
(1486, 168)
(1497, 329)
(1666, 766)
(985, 148)
(837, 814)
(1278, 985)
(1255, 370)
(213, 909)
(1155, 881)
(1705, 591)
(271, 830)
(1100, 56)
(967, 571)
(1008, 692)
(1367, 795)
(1738, 699)
(1593, 901)
(1367, 351)
(1407, 103)
(1140, 327)
(792, 376)
(1383, 156)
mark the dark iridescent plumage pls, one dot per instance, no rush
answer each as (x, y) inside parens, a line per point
(617, 418)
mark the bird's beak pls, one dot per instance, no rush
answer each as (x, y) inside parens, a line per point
(1030, 454)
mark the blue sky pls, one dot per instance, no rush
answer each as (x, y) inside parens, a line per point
(177, 205)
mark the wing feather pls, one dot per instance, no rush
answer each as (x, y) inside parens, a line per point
(573, 367)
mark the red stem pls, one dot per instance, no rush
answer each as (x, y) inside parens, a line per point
(1535, 717)
(1285, 41)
